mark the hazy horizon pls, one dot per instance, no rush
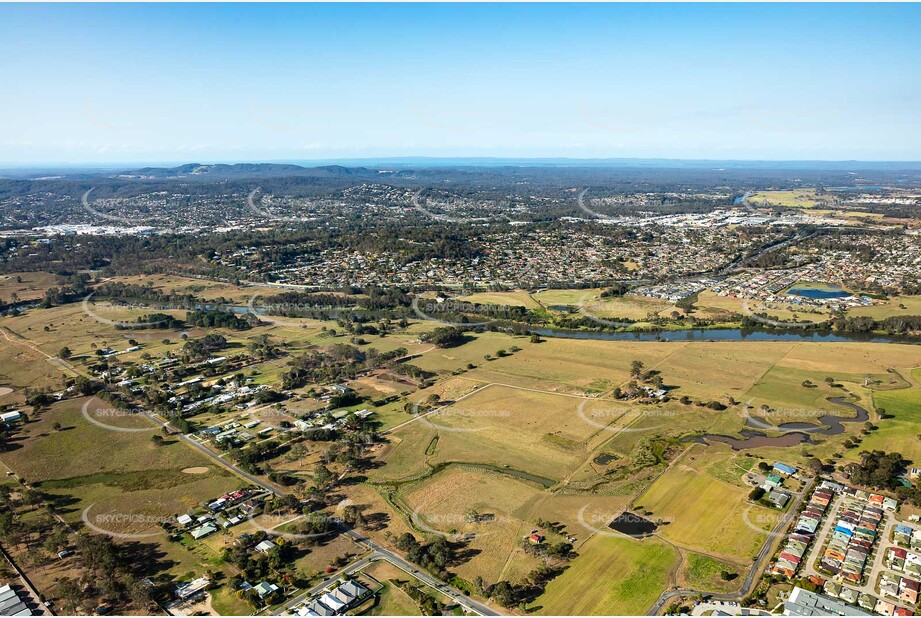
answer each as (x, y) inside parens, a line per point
(474, 161)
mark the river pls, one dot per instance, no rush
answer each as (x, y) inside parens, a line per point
(726, 334)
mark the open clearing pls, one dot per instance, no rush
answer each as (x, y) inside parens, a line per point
(892, 307)
(612, 577)
(490, 506)
(900, 433)
(796, 198)
(536, 432)
(699, 572)
(517, 298)
(686, 500)
(538, 457)
(125, 488)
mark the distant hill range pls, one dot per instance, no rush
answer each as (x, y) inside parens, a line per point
(349, 170)
(246, 170)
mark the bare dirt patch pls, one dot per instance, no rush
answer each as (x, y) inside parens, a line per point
(195, 470)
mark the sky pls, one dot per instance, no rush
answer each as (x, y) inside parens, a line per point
(127, 83)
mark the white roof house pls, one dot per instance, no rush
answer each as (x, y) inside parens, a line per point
(193, 588)
(265, 546)
(10, 417)
(203, 531)
(331, 602)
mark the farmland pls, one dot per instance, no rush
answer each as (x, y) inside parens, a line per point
(683, 498)
(518, 436)
(491, 508)
(132, 477)
(900, 432)
(614, 576)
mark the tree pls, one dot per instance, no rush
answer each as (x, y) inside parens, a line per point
(815, 465)
(157, 440)
(321, 475)
(504, 594)
(636, 369)
(65, 353)
(70, 595)
(446, 337)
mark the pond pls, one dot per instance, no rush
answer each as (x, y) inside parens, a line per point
(794, 433)
(818, 292)
(632, 524)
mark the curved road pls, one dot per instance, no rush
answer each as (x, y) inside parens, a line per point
(378, 551)
(748, 584)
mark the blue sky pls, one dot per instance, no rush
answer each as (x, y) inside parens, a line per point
(235, 82)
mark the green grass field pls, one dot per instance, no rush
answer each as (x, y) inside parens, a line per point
(120, 481)
(899, 434)
(701, 572)
(613, 577)
(892, 307)
(517, 298)
(687, 501)
(524, 420)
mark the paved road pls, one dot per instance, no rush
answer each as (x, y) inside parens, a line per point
(757, 567)
(378, 551)
(732, 610)
(818, 542)
(875, 569)
(352, 568)
(381, 552)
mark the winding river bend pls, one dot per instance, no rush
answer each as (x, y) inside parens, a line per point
(794, 433)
